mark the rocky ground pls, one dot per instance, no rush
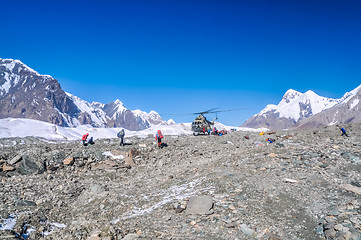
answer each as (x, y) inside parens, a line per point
(305, 185)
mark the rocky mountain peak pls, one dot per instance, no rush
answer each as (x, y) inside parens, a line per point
(290, 95)
(295, 107)
(347, 110)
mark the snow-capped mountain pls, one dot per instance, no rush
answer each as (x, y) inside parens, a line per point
(294, 108)
(24, 93)
(347, 110)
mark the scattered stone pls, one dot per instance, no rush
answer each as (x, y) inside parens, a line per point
(319, 230)
(351, 188)
(23, 202)
(289, 180)
(179, 209)
(246, 230)
(131, 237)
(272, 155)
(230, 225)
(333, 213)
(232, 207)
(7, 168)
(69, 161)
(16, 159)
(338, 227)
(330, 233)
(95, 236)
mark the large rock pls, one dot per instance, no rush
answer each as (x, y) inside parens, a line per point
(68, 161)
(199, 205)
(15, 159)
(129, 162)
(28, 166)
(133, 152)
(108, 166)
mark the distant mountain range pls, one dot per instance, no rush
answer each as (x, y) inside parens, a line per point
(308, 110)
(24, 93)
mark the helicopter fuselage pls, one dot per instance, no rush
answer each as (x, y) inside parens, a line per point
(201, 125)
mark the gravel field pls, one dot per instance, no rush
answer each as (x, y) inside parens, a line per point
(305, 185)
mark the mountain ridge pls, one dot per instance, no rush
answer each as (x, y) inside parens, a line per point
(24, 93)
(296, 107)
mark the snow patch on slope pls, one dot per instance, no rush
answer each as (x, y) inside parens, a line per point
(354, 103)
(14, 127)
(347, 96)
(99, 117)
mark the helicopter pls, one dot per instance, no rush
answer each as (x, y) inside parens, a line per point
(201, 125)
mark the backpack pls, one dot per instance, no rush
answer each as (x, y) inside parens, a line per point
(121, 134)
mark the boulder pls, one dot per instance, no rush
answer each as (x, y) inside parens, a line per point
(133, 152)
(28, 166)
(129, 162)
(199, 205)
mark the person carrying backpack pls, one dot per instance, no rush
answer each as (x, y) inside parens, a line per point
(159, 137)
(84, 138)
(121, 135)
(343, 132)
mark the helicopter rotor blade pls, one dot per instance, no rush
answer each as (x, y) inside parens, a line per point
(228, 110)
(206, 112)
(202, 112)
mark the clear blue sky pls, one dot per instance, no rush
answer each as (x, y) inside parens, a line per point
(186, 56)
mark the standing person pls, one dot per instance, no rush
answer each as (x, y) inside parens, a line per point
(84, 138)
(215, 131)
(121, 135)
(159, 137)
(343, 132)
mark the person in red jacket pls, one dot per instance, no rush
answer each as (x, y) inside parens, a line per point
(84, 138)
(159, 137)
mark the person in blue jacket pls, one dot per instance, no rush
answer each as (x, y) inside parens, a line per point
(121, 135)
(343, 132)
